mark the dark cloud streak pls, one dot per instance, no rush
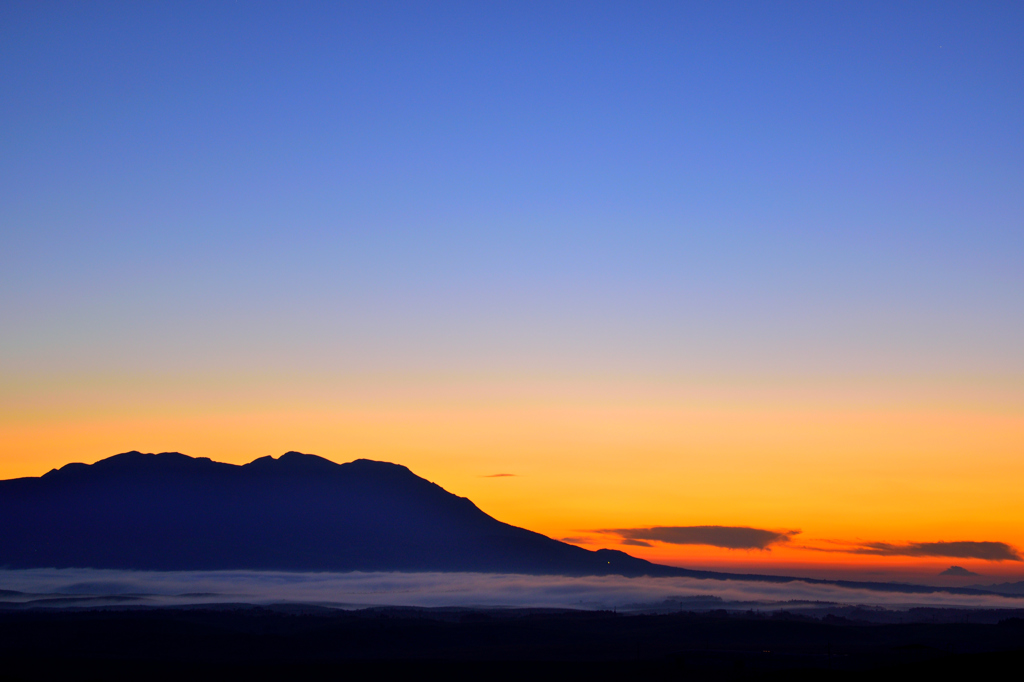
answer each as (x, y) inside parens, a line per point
(960, 549)
(987, 551)
(636, 543)
(577, 541)
(728, 537)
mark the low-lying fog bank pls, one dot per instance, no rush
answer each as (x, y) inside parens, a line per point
(92, 587)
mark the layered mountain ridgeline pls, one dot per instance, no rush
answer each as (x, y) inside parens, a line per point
(1013, 589)
(297, 512)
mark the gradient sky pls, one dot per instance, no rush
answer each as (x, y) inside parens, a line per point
(669, 264)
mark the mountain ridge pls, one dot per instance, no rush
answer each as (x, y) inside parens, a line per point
(296, 512)
(293, 512)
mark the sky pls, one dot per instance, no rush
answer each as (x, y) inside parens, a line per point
(667, 265)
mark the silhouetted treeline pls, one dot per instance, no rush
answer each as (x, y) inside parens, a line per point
(311, 643)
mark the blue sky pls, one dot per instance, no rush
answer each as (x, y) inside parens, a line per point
(655, 188)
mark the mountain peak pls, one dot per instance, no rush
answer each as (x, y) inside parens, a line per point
(292, 461)
(377, 465)
(169, 511)
(958, 571)
(135, 461)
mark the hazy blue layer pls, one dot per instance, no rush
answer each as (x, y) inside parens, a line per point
(353, 590)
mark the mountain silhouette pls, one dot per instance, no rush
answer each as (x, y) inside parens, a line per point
(297, 512)
(172, 512)
(958, 572)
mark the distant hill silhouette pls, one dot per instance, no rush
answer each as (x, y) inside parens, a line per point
(958, 572)
(296, 512)
(1012, 589)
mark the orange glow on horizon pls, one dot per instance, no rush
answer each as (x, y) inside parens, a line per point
(837, 462)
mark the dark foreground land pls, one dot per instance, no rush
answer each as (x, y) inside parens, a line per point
(250, 643)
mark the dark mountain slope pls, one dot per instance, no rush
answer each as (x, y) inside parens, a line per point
(297, 512)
